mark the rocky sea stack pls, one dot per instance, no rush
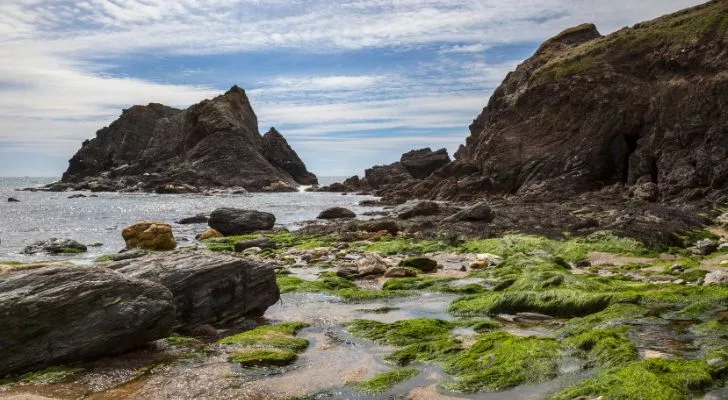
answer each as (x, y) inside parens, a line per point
(212, 144)
(643, 111)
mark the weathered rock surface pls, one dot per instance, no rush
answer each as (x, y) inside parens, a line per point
(215, 143)
(62, 314)
(149, 235)
(280, 154)
(56, 246)
(417, 209)
(336, 213)
(212, 289)
(197, 219)
(423, 264)
(422, 163)
(480, 212)
(261, 243)
(718, 277)
(234, 221)
(209, 233)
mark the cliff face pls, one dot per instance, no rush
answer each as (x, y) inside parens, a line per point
(646, 105)
(214, 143)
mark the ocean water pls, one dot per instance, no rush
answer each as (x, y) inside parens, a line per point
(43, 215)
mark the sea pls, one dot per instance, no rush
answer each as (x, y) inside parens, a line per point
(45, 215)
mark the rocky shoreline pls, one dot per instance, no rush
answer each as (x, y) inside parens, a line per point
(612, 305)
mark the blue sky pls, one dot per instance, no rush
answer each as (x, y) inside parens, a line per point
(349, 83)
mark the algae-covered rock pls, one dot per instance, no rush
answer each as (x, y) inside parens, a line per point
(149, 235)
(56, 246)
(423, 264)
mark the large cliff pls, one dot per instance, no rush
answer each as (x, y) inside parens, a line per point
(643, 110)
(215, 143)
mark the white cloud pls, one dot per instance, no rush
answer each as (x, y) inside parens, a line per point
(53, 92)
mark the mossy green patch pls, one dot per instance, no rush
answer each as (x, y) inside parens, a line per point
(498, 361)
(401, 333)
(279, 336)
(710, 328)
(282, 240)
(572, 249)
(50, 375)
(379, 310)
(395, 245)
(183, 341)
(437, 349)
(563, 302)
(263, 357)
(69, 250)
(604, 348)
(386, 380)
(357, 295)
(326, 283)
(657, 379)
(614, 315)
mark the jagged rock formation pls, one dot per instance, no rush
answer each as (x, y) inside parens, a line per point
(411, 169)
(215, 143)
(643, 110)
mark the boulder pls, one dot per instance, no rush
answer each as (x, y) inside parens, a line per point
(208, 288)
(149, 235)
(371, 264)
(716, 278)
(423, 264)
(233, 221)
(422, 163)
(347, 271)
(417, 209)
(197, 219)
(379, 225)
(261, 243)
(65, 314)
(704, 247)
(209, 233)
(13, 200)
(336, 213)
(55, 246)
(480, 212)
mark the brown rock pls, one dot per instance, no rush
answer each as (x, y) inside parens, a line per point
(149, 235)
(209, 233)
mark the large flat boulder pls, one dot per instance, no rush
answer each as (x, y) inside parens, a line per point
(234, 221)
(63, 314)
(213, 289)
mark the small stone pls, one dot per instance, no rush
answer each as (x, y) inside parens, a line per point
(13, 200)
(261, 243)
(716, 278)
(716, 362)
(480, 265)
(252, 251)
(704, 247)
(209, 233)
(400, 272)
(582, 264)
(316, 254)
(676, 268)
(336, 213)
(679, 281)
(423, 264)
(371, 264)
(492, 259)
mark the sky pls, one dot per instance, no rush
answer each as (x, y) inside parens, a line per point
(349, 83)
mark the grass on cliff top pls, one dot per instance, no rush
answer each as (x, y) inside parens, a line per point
(656, 379)
(386, 380)
(667, 34)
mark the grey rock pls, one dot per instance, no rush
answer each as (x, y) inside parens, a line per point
(64, 314)
(233, 221)
(646, 191)
(704, 247)
(197, 219)
(417, 209)
(371, 264)
(77, 196)
(716, 278)
(336, 213)
(261, 243)
(55, 246)
(213, 289)
(480, 212)
(13, 200)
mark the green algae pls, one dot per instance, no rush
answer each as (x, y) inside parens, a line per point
(183, 341)
(563, 303)
(253, 357)
(656, 379)
(395, 245)
(282, 240)
(604, 348)
(572, 249)
(326, 283)
(386, 380)
(50, 375)
(400, 333)
(710, 328)
(437, 349)
(499, 361)
(279, 336)
(614, 315)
